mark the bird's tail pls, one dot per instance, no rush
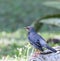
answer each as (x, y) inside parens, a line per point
(50, 48)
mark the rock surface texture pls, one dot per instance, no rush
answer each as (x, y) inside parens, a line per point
(47, 57)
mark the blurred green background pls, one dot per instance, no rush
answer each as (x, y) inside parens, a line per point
(15, 15)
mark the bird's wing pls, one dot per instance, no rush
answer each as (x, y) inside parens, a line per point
(44, 44)
(39, 39)
(39, 42)
(35, 41)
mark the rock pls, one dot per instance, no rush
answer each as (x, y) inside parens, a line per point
(47, 57)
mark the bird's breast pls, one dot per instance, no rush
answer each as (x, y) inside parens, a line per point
(32, 37)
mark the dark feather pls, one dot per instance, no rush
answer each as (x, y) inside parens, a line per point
(37, 41)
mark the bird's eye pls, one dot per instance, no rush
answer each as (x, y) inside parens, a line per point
(27, 28)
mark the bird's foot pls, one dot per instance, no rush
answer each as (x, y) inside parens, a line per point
(36, 54)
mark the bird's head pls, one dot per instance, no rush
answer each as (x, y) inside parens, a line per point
(30, 28)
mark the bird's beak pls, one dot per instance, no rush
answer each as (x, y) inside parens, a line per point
(27, 28)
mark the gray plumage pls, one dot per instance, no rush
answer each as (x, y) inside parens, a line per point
(36, 40)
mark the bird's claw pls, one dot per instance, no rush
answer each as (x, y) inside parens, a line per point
(36, 54)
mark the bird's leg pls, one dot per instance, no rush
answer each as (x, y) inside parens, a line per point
(36, 53)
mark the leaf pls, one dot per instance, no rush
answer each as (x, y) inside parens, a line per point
(48, 19)
(54, 4)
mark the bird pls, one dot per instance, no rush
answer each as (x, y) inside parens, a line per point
(37, 41)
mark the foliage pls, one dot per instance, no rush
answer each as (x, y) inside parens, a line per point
(15, 47)
(52, 20)
(14, 15)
